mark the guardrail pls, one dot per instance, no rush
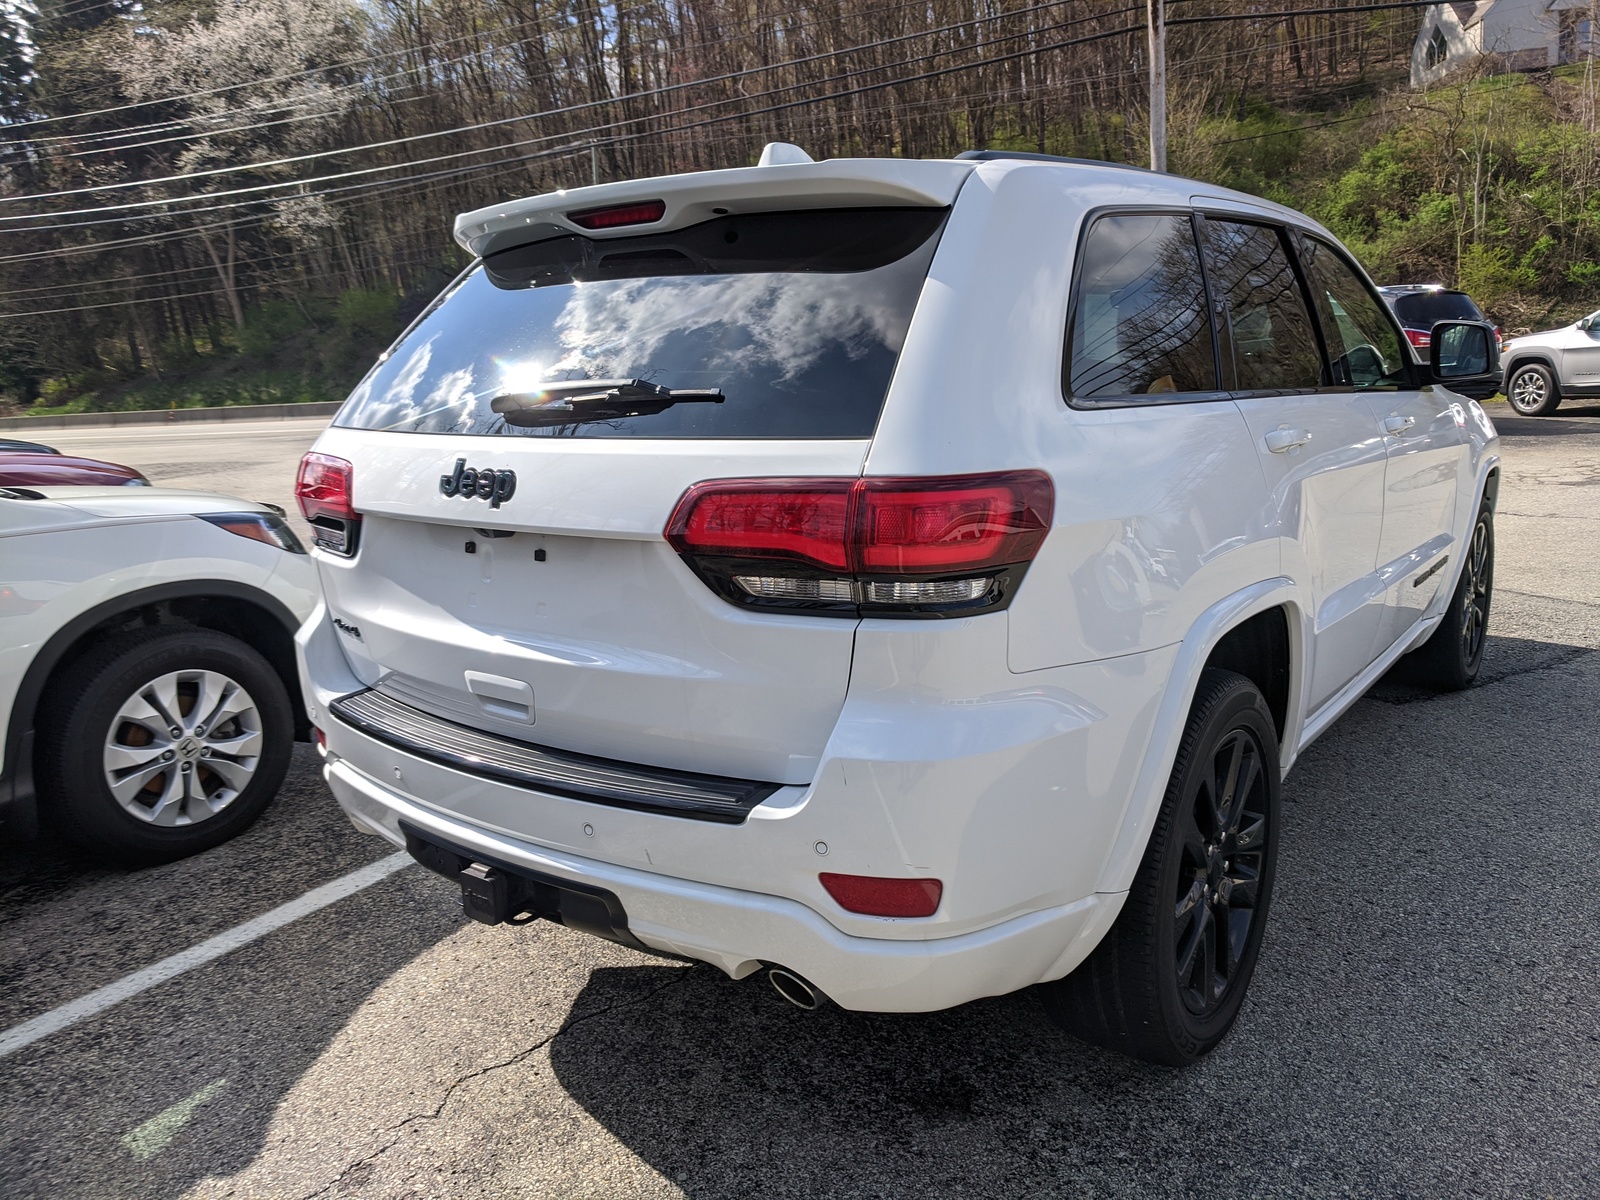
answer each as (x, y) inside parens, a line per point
(162, 416)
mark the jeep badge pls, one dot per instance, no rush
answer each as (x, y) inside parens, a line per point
(483, 483)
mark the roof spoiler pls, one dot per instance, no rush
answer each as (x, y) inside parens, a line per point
(786, 179)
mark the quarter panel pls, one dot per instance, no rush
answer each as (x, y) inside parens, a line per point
(1160, 510)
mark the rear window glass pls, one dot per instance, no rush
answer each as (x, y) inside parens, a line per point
(1424, 310)
(794, 319)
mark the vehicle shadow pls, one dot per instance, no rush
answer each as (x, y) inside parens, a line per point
(182, 1081)
(1420, 1023)
(1574, 416)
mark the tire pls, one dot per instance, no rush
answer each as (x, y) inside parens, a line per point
(1149, 989)
(117, 782)
(1449, 660)
(1532, 391)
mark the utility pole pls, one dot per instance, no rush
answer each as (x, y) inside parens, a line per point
(1158, 85)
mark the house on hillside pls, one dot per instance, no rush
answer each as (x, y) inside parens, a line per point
(1502, 35)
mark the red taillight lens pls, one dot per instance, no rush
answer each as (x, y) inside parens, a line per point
(857, 545)
(934, 527)
(1418, 338)
(325, 489)
(794, 520)
(875, 897)
(644, 213)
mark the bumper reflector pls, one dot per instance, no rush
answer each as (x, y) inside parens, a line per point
(874, 897)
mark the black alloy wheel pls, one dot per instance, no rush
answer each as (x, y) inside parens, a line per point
(1451, 658)
(1219, 881)
(1473, 594)
(1167, 981)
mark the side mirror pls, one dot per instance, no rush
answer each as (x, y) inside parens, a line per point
(1587, 323)
(1462, 350)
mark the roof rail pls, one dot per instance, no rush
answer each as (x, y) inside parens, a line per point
(1031, 156)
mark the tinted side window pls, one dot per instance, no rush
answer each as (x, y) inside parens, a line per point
(1363, 345)
(1274, 342)
(1139, 324)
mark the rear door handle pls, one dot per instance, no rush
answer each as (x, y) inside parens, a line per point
(1398, 424)
(1283, 439)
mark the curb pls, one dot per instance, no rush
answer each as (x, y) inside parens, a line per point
(162, 416)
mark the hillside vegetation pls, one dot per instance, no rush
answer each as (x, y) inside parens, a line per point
(242, 201)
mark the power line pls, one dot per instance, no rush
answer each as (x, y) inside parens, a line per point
(389, 143)
(221, 88)
(132, 300)
(1301, 12)
(228, 87)
(272, 105)
(154, 238)
(432, 178)
(742, 115)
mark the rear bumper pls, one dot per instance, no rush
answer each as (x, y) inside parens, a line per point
(739, 930)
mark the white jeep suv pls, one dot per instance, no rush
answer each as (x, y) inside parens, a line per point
(911, 578)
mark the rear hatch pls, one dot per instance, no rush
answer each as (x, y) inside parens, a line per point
(1424, 310)
(517, 455)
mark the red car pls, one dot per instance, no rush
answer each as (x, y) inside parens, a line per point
(45, 467)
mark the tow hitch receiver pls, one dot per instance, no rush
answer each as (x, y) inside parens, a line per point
(498, 891)
(485, 894)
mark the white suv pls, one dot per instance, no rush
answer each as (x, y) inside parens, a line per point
(1543, 369)
(912, 578)
(148, 696)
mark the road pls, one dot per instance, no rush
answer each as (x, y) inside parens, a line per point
(253, 459)
(1423, 1021)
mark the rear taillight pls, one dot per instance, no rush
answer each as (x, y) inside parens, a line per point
(922, 547)
(1419, 338)
(325, 489)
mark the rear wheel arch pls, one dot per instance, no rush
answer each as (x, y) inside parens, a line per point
(1491, 489)
(1259, 649)
(224, 606)
(1262, 629)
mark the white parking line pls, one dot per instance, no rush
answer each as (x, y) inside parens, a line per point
(225, 942)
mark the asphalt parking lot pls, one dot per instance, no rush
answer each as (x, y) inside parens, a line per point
(1424, 1021)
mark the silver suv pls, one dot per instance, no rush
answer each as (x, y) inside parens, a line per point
(1542, 369)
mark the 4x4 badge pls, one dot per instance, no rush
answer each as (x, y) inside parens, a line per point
(484, 483)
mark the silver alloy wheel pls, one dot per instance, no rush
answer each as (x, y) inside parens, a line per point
(183, 747)
(1528, 390)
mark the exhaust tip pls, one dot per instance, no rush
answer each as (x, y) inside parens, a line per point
(794, 989)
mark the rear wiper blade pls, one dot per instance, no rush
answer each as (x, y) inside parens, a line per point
(571, 401)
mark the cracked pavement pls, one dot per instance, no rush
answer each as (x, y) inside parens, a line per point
(1422, 1023)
